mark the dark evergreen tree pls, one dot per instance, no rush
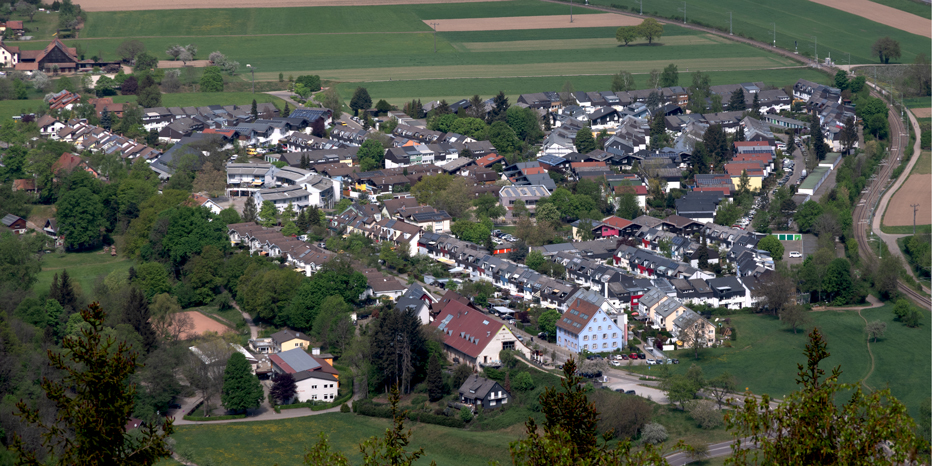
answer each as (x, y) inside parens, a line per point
(283, 388)
(791, 142)
(287, 111)
(585, 142)
(249, 211)
(241, 388)
(305, 162)
(64, 293)
(136, 314)
(755, 106)
(152, 138)
(106, 120)
(434, 379)
(360, 100)
(313, 216)
(398, 348)
(717, 144)
(739, 134)
(818, 139)
(737, 100)
(255, 110)
(301, 221)
(499, 108)
(547, 124)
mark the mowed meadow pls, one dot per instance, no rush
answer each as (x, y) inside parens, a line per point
(393, 48)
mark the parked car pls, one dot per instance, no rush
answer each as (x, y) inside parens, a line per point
(676, 361)
(616, 363)
(633, 355)
(630, 392)
(642, 356)
(624, 357)
(795, 254)
(651, 362)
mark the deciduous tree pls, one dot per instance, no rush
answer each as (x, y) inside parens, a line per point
(650, 29)
(622, 81)
(670, 76)
(283, 388)
(360, 100)
(80, 218)
(886, 48)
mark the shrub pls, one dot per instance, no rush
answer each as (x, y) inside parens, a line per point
(344, 408)
(523, 382)
(465, 414)
(654, 433)
(418, 400)
(705, 414)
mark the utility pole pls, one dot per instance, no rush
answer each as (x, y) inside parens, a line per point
(571, 11)
(641, 2)
(731, 31)
(435, 35)
(774, 34)
(253, 70)
(684, 12)
(849, 61)
(915, 209)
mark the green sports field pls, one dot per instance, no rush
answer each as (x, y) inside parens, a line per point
(797, 22)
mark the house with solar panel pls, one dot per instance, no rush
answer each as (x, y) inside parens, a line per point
(587, 327)
(471, 337)
(315, 378)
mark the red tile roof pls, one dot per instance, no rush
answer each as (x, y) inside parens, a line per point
(16, 25)
(465, 329)
(533, 170)
(490, 159)
(708, 189)
(639, 190)
(577, 316)
(66, 162)
(616, 222)
(26, 184)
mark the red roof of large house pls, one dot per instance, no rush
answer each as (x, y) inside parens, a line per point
(639, 190)
(465, 329)
(616, 222)
(490, 159)
(708, 189)
(16, 25)
(533, 171)
(66, 162)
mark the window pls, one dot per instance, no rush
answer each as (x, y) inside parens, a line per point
(614, 335)
(604, 336)
(600, 327)
(313, 387)
(585, 337)
(585, 346)
(492, 403)
(604, 345)
(614, 344)
(313, 397)
(595, 337)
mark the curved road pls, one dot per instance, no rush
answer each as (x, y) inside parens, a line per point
(864, 212)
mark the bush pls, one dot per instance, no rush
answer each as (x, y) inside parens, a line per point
(344, 408)
(371, 409)
(705, 414)
(465, 414)
(654, 433)
(418, 400)
(523, 382)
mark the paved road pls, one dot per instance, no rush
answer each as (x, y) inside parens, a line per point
(715, 450)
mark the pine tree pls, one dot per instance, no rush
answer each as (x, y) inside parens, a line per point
(106, 120)
(739, 134)
(755, 106)
(241, 388)
(301, 222)
(287, 111)
(255, 110)
(268, 214)
(547, 124)
(434, 379)
(249, 211)
(93, 401)
(64, 293)
(136, 313)
(55, 289)
(313, 216)
(736, 102)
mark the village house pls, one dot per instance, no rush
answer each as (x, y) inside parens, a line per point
(473, 338)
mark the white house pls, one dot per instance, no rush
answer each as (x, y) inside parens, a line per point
(475, 338)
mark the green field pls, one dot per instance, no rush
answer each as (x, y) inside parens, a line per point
(924, 164)
(765, 355)
(83, 268)
(284, 441)
(796, 21)
(918, 102)
(398, 92)
(910, 6)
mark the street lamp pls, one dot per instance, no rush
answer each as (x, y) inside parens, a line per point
(253, 70)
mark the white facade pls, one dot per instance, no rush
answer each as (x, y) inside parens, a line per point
(314, 389)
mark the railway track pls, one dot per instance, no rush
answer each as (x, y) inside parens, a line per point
(862, 213)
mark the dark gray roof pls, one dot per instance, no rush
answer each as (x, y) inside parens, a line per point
(477, 387)
(299, 360)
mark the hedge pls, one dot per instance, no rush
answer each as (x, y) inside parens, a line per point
(368, 408)
(214, 418)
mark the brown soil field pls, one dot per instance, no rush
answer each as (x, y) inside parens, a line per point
(916, 190)
(572, 44)
(201, 325)
(534, 22)
(136, 5)
(882, 14)
(922, 112)
(180, 64)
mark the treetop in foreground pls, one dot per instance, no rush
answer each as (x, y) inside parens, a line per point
(808, 427)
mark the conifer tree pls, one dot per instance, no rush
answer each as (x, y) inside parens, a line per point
(241, 388)
(434, 379)
(136, 313)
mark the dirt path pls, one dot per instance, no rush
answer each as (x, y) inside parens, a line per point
(874, 303)
(869, 352)
(253, 330)
(882, 14)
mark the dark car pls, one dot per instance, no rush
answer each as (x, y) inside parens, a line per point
(542, 335)
(642, 356)
(676, 361)
(630, 392)
(624, 357)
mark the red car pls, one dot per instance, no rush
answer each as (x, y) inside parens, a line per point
(633, 355)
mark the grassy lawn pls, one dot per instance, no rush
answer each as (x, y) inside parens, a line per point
(284, 441)
(83, 267)
(918, 102)
(905, 229)
(796, 21)
(765, 355)
(923, 165)
(398, 92)
(909, 6)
